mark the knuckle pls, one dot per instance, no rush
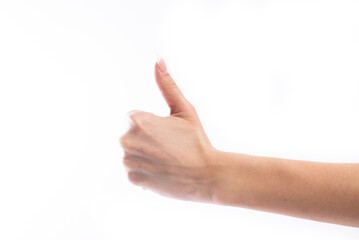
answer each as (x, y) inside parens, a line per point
(133, 114)
(140, 119)
(128, 163)
(124, 141)
(131, 144)
(136, 177)
(171, 84)
(130, 116)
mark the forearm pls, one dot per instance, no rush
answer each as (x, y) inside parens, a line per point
(327, 192)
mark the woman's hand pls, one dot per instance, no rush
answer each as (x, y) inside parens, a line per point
(173, 157)
(169, 155)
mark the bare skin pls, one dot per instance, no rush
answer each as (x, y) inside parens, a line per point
(173, 156)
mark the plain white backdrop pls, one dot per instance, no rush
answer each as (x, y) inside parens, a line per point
(273, 78)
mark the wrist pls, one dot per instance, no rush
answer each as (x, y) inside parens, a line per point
(220, 174)
(230, 183)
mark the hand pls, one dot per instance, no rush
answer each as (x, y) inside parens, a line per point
(169, 155)
(173, 157)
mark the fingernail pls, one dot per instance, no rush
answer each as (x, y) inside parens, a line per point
(162, 66)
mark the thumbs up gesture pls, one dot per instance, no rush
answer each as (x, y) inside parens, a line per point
(169, 155)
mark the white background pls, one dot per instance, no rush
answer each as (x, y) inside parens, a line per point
(274, 78)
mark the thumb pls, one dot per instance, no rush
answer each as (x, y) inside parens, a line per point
(178, 104)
